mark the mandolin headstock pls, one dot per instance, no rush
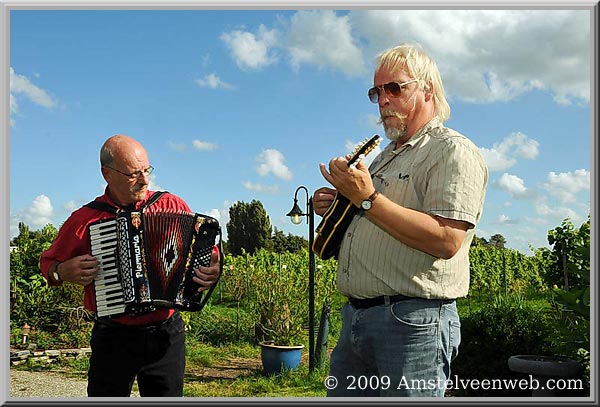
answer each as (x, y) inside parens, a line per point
(363, 149)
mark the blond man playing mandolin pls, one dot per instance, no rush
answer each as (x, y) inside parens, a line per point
(403, 259)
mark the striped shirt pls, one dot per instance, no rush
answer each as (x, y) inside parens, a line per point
(439, 172)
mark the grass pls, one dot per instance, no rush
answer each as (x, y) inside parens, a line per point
(297, 383)
(231, 370)
(218, 367)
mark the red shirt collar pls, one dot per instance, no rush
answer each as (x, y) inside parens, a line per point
(106, 198)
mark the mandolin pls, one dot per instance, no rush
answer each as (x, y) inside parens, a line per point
(338, 216)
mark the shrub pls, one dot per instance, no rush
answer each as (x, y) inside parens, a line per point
(218, 324)
(490, 336)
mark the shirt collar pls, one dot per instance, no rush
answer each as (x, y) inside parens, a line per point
(434, 122)
(138, 204)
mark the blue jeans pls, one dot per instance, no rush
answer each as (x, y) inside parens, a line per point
(403, 349)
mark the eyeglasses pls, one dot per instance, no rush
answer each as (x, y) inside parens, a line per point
(134, 175)
(392, 89)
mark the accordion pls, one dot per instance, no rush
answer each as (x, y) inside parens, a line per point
(147, 260)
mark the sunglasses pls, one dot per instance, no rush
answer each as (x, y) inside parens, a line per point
(392, 89)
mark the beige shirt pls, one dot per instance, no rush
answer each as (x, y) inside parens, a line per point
(438, 172)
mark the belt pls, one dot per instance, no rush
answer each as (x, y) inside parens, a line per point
(372, 302)
(136, 328)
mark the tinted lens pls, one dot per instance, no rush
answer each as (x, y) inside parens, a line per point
(393, 89)
(374, 95)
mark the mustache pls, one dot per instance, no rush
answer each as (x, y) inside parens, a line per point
(391, 113)
(138, 188)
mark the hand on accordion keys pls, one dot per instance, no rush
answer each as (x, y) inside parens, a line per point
(208, 276)
(78, 270)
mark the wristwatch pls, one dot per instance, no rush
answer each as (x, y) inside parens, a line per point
(54, 272)
(366, 204)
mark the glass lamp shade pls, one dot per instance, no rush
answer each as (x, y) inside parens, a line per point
(296, 213)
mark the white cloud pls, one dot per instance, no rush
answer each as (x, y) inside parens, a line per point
(252, 51)
(273, 189)
(14, 107)
(36, 215)
(484, 56)
(204, 145)
(20, 84)
(214, 82)
(215, 213)
(502, 155)
(324, 39)
(70, 206)
(222, 215)
(177, 146)
(512, 184)
(273, 161)
(488, 55)
(557, 214)
(505, 220)
(566, 185)
(152, 185)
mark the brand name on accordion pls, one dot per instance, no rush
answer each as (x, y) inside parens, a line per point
(138, 256)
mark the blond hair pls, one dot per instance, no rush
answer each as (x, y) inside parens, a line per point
(420, 66)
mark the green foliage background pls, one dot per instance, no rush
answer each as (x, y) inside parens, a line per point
(517, 304)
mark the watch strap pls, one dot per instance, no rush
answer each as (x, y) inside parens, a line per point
(54, 272)
(373, 196)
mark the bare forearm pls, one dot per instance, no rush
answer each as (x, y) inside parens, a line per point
(435, 236)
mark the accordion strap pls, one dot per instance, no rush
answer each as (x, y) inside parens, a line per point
(103, 206)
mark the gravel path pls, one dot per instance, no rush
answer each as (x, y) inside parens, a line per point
(47, 384)
(50, 384)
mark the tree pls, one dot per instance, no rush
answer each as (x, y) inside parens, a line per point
(290, 243)
(498, 241)
(478, 241)
(570, 255)
(249, 227)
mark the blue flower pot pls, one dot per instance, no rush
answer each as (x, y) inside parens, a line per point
(276, 358)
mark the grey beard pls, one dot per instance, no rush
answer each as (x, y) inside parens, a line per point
(394, 133)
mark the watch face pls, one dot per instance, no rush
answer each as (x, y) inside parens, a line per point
(55, 276)
(366, 204)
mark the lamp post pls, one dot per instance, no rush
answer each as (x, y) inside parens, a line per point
(296, 215)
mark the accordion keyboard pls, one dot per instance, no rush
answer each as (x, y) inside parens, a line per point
(109, 292)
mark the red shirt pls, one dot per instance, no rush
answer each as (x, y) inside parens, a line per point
(73, 240)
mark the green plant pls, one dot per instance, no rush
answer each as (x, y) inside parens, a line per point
(279, 287)
(504, 327)
(219, 324)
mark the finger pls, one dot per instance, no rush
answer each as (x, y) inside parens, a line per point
(204, 278)
(86, 257)
(89, 265)
(361, 166)
(325, 174)
(87, 260)
(325, 193)
(214, 256)
(339, 165)
(84, 280)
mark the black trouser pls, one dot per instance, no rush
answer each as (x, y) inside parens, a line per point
(155, 354)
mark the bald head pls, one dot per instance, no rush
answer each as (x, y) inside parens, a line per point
(121, 156)
(118, 146)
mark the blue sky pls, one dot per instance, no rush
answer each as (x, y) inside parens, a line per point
(242, 105)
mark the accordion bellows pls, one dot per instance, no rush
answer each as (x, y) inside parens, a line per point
(147, 260)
